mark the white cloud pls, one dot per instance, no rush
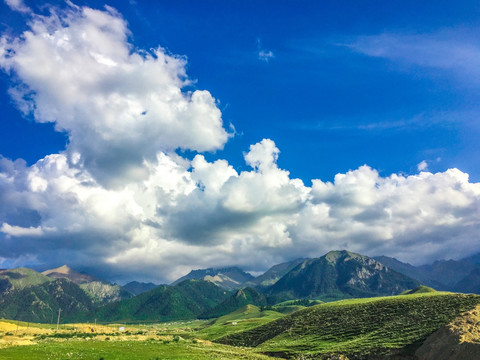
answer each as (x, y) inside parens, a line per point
(422, 166)
(21, 231)
(18, 5)
(262, 156)
(167, 214)
(118, 105)
(180, 218)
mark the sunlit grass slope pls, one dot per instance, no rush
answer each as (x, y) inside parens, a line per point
(245, 318)
(361, 327)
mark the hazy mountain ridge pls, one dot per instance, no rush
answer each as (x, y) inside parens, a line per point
(137, 287)
(275, 273)
(448, 272)
(447, 275)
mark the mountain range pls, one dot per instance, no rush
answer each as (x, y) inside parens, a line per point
(206, 293)
(340, 274)
(447, 275)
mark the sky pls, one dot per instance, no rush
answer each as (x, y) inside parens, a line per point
(143, 139)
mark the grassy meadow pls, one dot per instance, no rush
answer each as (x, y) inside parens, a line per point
(359, 328)
(177, 340)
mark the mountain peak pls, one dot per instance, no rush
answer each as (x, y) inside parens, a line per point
(67, 272)
(64, 269)
(336, 255)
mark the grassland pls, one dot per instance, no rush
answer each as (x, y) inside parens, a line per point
(127, 350)
(290, 306)
(245, 318)
(177, 340)
(359, 328)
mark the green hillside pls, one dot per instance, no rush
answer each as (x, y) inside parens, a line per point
(20, 278)
(360, 328)
(244, 318)
(184, 301)
(422, 289)
(40, 303)
(339, 275)
(290, 306)
(471, 283)
(237, 300)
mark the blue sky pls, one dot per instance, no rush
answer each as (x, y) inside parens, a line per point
(331, 86)
(322, 93)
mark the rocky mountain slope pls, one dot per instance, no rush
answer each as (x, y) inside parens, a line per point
(66, 272)
(102, 292)
(340, 274)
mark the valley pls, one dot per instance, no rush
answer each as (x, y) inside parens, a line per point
(342, 305)
(372, 328)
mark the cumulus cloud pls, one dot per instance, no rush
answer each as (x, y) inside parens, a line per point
(121, 201)
(119, 105)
